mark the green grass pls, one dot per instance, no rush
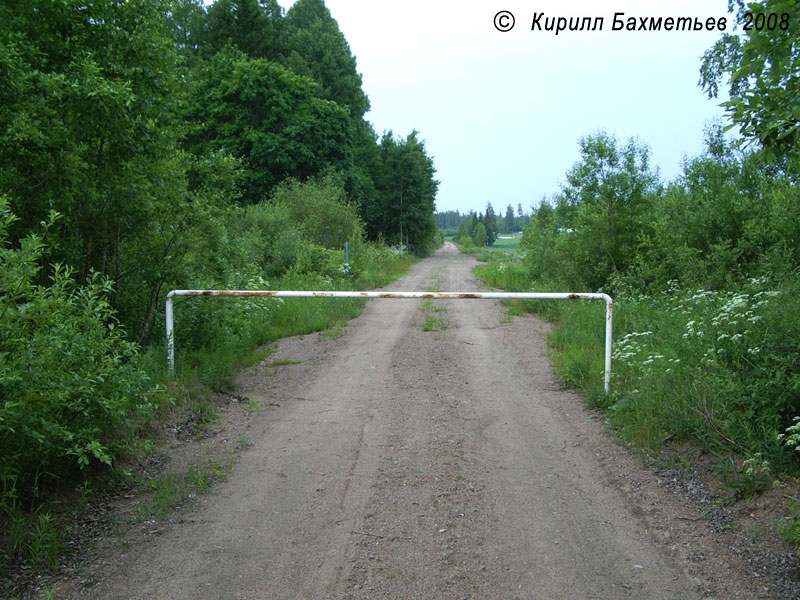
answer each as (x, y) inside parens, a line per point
(507, 245)
(378, 266)
(506, 271)
(168, 490)
(433, 321)
(31, 537)
(510, 246)
(333, 332)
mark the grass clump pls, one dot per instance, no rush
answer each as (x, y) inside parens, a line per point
(167, 490)
(434, 320)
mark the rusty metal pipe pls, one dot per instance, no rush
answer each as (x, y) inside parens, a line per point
(433, 295)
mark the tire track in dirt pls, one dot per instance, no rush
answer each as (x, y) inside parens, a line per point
(486, 493)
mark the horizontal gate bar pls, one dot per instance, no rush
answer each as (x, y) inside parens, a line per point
(435, 295)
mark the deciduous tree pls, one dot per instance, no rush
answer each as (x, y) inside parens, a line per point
(761, 67)
(268, 117)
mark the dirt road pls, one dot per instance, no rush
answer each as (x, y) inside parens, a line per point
(394, 462)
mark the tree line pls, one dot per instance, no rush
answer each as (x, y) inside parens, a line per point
(456, 225)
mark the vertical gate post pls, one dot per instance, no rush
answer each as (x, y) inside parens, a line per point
(170, 335)
(609, 337)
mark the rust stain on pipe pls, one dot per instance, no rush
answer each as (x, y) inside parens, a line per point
(231, 293)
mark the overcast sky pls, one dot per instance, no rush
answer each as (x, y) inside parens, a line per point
(501, 113)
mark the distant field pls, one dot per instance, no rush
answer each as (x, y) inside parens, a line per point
(507, 245)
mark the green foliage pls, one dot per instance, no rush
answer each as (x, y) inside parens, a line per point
(509, 222)
(478, 231)
(761, 65)
(282, 95)
(479, 237)
(466, 245)
(718, 368)
(504, 271)
(727, 217)
(72, 395)
(448, 222)
(255, 27)
(725, 363)
(321, 210)
(790, 525)
(463, 234)
(214, 335)
(490, 224)
(592, 231)
(375, 265)
(317, 49)
(33, 537)
(226, 148)
(791, 437)
(269, 118)
(403, 209)
(745, 482)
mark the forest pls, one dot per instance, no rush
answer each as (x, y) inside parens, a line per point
(160, 144)
(704, 271)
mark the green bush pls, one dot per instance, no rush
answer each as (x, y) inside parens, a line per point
(319, 209)
(71, 392)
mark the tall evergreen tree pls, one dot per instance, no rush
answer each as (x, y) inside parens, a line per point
(508, 221)
(490, 222)
(316, 48)
(479, 235)
(255, 27)
(406, 193)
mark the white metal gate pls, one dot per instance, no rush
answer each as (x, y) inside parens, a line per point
(434, 295)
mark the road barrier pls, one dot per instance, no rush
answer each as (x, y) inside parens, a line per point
(434, 295)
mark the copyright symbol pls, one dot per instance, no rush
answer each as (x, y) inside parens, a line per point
(504, 21)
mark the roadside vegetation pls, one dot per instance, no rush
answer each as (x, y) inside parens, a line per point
(162, 144)
(704, 271)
